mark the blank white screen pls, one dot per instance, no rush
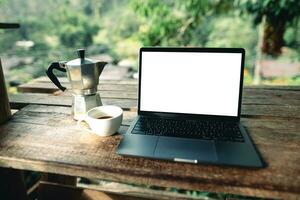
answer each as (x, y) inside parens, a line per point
(190, 82)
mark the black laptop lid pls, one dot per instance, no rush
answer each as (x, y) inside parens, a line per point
(191, 82)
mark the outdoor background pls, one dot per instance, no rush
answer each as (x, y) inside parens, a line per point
(114, 30)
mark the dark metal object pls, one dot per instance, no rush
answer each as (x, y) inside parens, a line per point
(9, 25)
(83, 74)
(53, 78)
(81, 53)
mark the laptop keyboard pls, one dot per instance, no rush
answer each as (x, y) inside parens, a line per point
(205, 130)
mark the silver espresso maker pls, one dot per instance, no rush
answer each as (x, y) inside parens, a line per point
(83, 74)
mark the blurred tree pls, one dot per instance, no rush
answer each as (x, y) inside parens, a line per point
(292, 37)
(74, 29)
(278, 15)
(226, 31)
(160, 22)
(167, 22)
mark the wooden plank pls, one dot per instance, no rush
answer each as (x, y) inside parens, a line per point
(40, 115)
(137, 191)
(59, 99)
(50, 191)
(276, 87)
(134, 82)
(43, 112)
(5, 112)
(109, 94)
(65, 80)
(252, 94)
(258, 95)
(18, 101)
(278, 97)
(43, 85)
(48, 140)
(47, 87)
(45, 82)
(286, 111)
(251, 107)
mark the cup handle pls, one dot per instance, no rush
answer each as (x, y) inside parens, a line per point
(81, 127)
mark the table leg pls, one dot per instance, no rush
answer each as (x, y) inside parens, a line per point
(12, 185)
(4, 104)
(51, 191)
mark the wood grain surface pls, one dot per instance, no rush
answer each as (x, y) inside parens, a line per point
(43, 137)
(154, 192)
(51, 191)
(256, 102)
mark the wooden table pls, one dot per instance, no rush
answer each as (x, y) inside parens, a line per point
(43, 137)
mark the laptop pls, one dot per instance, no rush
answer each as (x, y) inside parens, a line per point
(189, 108)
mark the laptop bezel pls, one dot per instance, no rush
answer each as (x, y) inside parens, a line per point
(192, 116)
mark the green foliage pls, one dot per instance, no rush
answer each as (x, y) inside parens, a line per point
(2, 1)
(74, 29)
(225, 35)
(119, 25)
(274, 10)
(292, 37)
(31, 30)
(161, 22)
(120, 28)
(176, 23)
(278, 14)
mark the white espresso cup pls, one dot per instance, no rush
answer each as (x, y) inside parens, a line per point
(103, 120)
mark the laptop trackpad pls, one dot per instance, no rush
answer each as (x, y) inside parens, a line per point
(184, 148)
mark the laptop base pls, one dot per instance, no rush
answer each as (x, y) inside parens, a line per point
(188, 150)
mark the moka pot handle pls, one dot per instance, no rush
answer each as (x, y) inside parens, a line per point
(53, 78)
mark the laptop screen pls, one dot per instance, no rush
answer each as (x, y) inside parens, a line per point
(206, 83)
